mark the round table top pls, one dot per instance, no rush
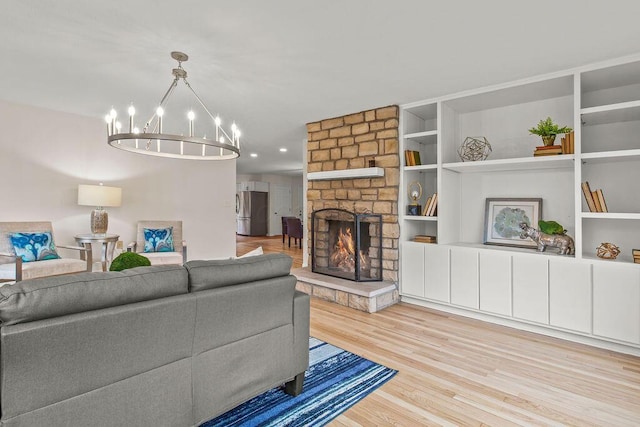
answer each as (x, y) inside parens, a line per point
(88, 237)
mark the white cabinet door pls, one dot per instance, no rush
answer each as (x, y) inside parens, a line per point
(531, 288)
(464, 277)
(436, 274)
(616, 302)
(570, 295)
(495, 282)
(412, 281)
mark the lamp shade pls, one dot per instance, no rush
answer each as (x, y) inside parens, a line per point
(99, 195)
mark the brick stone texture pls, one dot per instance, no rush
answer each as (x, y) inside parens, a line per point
(351, 142)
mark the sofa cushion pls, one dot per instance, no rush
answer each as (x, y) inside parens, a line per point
(211, 274)
(48, 297)
(158, 239)
(34, 246)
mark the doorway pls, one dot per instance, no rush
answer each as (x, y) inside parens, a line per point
(280, 204)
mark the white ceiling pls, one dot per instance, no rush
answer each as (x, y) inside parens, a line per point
(273, 66)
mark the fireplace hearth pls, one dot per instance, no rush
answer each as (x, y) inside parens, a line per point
(346, 244)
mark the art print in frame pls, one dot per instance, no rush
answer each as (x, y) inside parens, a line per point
(503, 217)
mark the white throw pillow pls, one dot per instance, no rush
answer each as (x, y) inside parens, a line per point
(255, 252)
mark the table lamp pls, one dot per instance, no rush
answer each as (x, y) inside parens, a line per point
(99, 196)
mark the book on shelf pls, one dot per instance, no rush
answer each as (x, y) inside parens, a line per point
(426, 206)
(432, 207)
(407, 158)
(603, 204)
(596, 200)
(586, 190)
(546, 153)
(571, 145)
(412, 158)
(416, 158)
(635, 252)
(567, 143)
(548, 147)
(547, 150)
(422, 238)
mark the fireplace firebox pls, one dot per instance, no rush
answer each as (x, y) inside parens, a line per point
(346, 244)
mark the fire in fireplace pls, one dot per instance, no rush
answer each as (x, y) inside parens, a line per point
(347, 245)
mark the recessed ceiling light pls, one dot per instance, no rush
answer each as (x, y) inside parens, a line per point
(253, 155)
(283, 150)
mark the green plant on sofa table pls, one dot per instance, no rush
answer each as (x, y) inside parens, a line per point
(129, 260)
(548, 130)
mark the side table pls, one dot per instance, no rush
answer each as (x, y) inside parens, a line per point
(108, 242)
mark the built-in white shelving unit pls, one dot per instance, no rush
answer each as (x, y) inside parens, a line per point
(579, 297)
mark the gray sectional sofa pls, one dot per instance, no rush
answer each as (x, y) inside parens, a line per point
(151, 346)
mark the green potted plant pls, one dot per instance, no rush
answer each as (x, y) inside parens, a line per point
(129, 260)
(548, 130)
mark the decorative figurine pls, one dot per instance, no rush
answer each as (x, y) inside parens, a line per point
(474, 148)
(415, 193)
(607, 251)
(561, 241)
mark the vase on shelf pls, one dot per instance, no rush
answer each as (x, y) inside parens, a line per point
(548, 140)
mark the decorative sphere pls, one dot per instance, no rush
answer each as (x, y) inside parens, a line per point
(607, 251)
(474, 148)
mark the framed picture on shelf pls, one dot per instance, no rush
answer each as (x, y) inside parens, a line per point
(503, 217)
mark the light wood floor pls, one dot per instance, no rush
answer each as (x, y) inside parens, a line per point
(459, 371)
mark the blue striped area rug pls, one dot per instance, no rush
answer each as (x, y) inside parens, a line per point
(335, 381)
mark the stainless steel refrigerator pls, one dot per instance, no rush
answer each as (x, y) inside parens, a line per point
(251, 212)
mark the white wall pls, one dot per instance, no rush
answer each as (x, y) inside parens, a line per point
(45, 154)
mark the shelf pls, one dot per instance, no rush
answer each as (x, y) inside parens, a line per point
(513, 95)
(346, 174)
(429, 136)
(421, 110)
(419, 218)
(610, 215)
(613, 113)
(611, 156)
(551, 252)
(421, 168)
(523, 163)
(611, 77)
(609, 261)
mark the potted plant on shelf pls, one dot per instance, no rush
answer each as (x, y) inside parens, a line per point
(548, 130)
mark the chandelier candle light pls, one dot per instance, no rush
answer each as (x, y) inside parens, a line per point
(152, 141)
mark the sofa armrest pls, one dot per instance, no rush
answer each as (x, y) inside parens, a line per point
(301, 316)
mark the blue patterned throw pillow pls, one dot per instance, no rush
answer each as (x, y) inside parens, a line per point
(34, 246)
(158, 239)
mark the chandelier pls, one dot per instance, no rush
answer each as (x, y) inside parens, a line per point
(152, 141)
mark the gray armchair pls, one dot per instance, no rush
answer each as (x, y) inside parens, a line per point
(12, 268)
(179, 254)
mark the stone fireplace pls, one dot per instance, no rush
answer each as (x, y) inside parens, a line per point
(347, 147)
(347, 245)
